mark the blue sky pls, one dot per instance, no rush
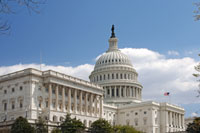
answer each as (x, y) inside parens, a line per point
(77, 31)
(71, 33)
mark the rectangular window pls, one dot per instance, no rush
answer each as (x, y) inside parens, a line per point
(108, 91)
(21, 104)
(40, 105)
(54, 104)
(5, 91)
(113, 92)
(20, 88)
(13, 105)
(53, 91)
(5, 106)
(47, 103)
(13, 89)
(117, 76)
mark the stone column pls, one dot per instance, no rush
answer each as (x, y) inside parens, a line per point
(86, 103)
(124, 91)
(170, 113)
(110, 91)
(175, 119)
(50, 96)
(75, 100)
(183, 120)
(91, 104)
(95, 101)
(80, 102)
(115, 93)
(56, 96)
(120, 91)
(132, 91)
(69, 100)
(139, 93)
(180, 121)
(135, 92)
(63, 99)
(101, 106)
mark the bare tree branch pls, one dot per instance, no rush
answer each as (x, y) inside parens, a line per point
(6, 7)
(4, 27)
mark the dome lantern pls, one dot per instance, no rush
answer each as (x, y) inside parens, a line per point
(113, 41)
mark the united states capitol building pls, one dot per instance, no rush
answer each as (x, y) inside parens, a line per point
(113, 93)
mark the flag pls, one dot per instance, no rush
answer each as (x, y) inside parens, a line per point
(166, 94)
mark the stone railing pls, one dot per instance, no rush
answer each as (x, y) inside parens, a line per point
(21, 73)
(67, 77)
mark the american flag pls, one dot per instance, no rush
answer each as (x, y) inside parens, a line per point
(166, 94)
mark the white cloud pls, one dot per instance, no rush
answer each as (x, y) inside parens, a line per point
(81, 71)
(172, 52)
(194, 114)
(157, 74)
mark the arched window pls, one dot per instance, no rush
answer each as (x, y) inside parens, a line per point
(85, 123)
(136, 122)
(90, 123)
(54, 118)
(61, 119)
(13, 105)
(100, 77)
(127, 122)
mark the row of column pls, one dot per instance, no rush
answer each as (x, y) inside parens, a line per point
(87, 107)
(122, 91)
(175, 119)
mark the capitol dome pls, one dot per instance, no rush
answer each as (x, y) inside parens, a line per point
(115, 73)
(113, 58)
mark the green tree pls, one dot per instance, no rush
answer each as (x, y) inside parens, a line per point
(72, 125)
(56, 130)
(41, 126)
(194, 127)
(125, 129)
(100, 126)
(21, 125)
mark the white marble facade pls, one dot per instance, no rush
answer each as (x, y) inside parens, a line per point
(113, 93)
(32, 93)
